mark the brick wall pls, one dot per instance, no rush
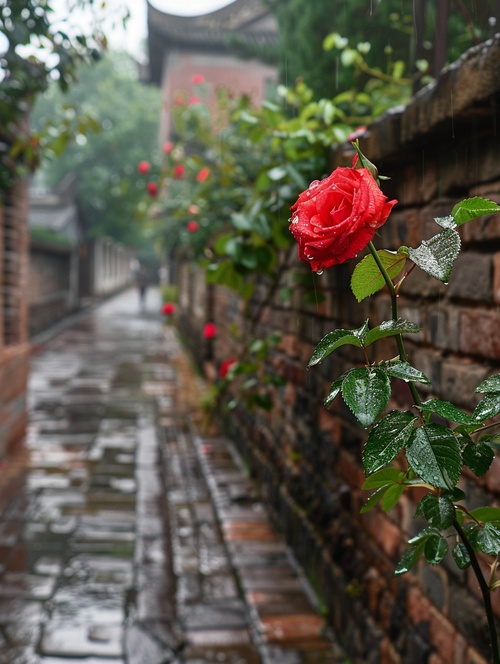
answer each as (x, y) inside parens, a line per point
(14, 347)
(443, 147)
(50, 285)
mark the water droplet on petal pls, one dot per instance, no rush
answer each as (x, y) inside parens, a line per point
(295, 220)
(319, 272)
(314, 184)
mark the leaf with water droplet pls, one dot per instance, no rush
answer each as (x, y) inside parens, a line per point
(437, 510)
(472, 208)
(366, 390)
(337, 338)
(434, 455)
(367, 278)
(437, 255)
(487, 407)
(404, 371)
(446, 222)
(435, 549)
(390, 328)
(478, 457)
(491, 384)
(387, 439)
(447, 410)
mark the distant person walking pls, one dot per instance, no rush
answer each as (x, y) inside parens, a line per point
(142, 284)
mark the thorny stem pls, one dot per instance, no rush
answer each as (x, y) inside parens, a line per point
(394, 313)
(485, 591)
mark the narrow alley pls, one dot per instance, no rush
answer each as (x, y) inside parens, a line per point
(125, 537)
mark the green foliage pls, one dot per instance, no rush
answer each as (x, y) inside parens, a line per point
(38, 52)
(125, 113)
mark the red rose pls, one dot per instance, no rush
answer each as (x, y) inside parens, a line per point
(225, 366)
(337, 217)
(209, 331)
(168, 308)
(168, 146)
(192, 226)
(179, 171)
(152, 188)
(144, 167)
(203, 174)
(198, 79)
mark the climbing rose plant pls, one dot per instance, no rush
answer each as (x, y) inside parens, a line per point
(332, 221)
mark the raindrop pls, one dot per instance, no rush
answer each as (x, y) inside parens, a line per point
(314, 184)
(319, 272)
(295, 220)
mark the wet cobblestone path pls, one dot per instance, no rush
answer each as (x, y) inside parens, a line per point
(126, 537)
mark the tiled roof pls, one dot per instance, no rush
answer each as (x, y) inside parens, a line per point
(246, 18)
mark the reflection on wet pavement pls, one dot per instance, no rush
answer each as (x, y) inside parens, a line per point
(124, 539)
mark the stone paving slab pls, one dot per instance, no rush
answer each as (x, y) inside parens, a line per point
(125, 536)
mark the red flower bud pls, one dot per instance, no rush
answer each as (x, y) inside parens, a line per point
(144, 167)
(192, 226)
(203, 174)
(179, 171)
(209, 331)
(194, 100)
(168, 308)
(198, 79)
(152, 188)
(168, 147)
(225, 366)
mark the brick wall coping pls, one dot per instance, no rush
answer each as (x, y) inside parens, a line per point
(463, 92)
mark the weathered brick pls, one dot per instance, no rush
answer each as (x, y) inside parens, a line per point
(472, 277)
(443, 636)
(459, 380)
(479, 333)
(496, 277)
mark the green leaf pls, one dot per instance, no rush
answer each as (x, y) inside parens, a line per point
(387, 439)
(478, 457)
(366, 391)
(337, 338)
(406, 372)
(491, 384)
(434, 454)
(435, 549)
(391, 496)
(390, 328)
(447, 410)
(335, 390)
(383, 477)
(437, 255)
(367, 278)
(487, 407)
(461, 556)
(488, 538)
(375, 498)
(472, 208)
(485, 514)
(438, 511)
(409, 558)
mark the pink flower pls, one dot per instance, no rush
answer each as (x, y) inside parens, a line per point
(357, 133)
(168, 308)
(192, 226)
(179, 101)
(198, 79)
(179, 171)
(144, 167)
(209, 331)
(152, 188)
(168, 147)
(194, 100)
(193, 209)
(203, 174)
(225, 366)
